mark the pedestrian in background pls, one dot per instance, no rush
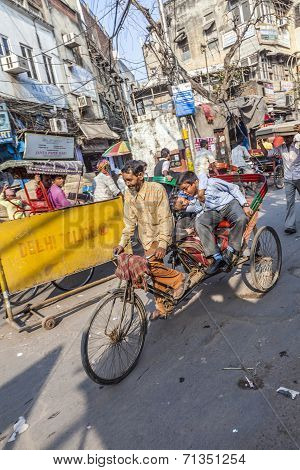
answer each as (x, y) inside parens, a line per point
(239, 155)
(204, 160)
(290, 153)
(104, 187)
(162, 168)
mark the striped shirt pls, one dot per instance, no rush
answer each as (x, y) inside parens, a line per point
(149, 209)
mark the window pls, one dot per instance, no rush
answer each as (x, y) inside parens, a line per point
(4, 46)
(209, 17)
(104, 110)
(211, 31)
(77, 56)
(34, 8)
(213, 44)
(49, 69)
(297, 16)
(241, 11)
(185, 50)
(27, 54)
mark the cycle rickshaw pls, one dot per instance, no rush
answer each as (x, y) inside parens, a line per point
(271, 167)
(113, 341)
(24, 171)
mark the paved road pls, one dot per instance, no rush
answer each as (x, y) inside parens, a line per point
(178, 397)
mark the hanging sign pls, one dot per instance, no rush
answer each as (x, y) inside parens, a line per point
(183, 99)
(5, 128)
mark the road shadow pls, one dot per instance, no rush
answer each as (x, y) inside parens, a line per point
(19, 395)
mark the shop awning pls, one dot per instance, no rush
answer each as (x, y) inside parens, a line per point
(208, 25)
(97, 130)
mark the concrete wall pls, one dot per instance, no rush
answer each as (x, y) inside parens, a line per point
(151, 135)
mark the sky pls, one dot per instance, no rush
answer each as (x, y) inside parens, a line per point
(132, 34)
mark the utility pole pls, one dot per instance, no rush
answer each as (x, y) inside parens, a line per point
(164, 23)
(204, 51)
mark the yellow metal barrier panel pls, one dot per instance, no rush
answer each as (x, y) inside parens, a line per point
(48, 246)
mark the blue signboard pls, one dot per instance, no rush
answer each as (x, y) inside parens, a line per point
(5, 129)
(183, 100)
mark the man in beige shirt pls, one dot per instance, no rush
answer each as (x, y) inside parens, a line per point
(147, 206)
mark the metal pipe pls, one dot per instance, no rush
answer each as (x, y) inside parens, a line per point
(65, 295)
(5, 293)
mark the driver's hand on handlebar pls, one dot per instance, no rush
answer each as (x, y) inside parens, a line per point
(169, 177)
(248, 211)
(118, 250)
(160, 253)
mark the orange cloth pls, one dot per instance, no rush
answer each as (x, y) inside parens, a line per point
(164, 278)
(279, 140)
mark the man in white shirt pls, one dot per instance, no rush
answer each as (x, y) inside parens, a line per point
(290, 153)
(204, 160)
(103, 184)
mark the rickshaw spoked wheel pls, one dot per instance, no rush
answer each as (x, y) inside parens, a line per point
(265, 259)
(113, 341)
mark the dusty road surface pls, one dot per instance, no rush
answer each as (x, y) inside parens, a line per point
(178, 396)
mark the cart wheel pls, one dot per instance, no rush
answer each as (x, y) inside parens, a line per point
(48, 323)
(265, 259)
(279, 177)
(113, 341)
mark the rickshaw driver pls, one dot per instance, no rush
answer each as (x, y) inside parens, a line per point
(221, 200)
(147, 206)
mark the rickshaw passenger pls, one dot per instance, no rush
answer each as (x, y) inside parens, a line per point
(222, 200)
(56, 194)
(189, 208)
(12, 203)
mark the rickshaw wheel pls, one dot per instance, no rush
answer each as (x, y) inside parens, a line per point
(279, 177)
(48, 323)
(113, 341)
(265, 259)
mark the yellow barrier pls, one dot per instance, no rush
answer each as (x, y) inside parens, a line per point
(48, 246)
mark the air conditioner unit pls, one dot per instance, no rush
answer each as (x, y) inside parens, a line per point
(14, 64)
(58, 125)
(84, 101)
(71, 40)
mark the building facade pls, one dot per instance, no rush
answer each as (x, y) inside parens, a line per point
(49, 80)
(202, 32)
